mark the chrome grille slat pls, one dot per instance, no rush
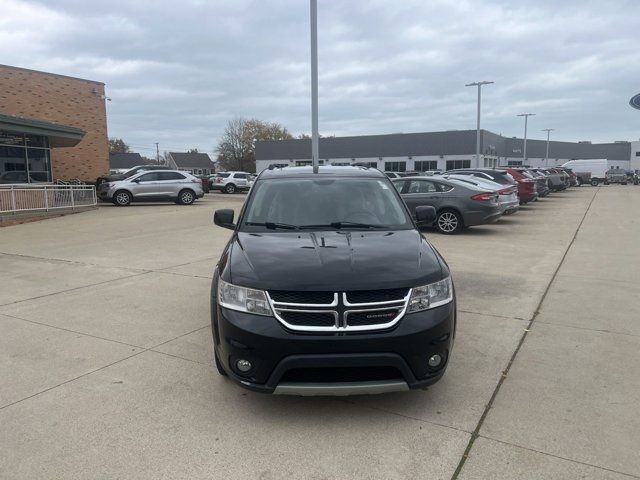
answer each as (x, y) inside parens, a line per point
(340, 308)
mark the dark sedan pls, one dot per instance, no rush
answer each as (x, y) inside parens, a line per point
(458, 204)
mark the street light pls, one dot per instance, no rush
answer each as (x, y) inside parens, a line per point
(546, 157)
(479, 85)
(313, 6)
(524, 149)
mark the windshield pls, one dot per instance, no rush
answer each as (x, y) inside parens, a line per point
(336, 203)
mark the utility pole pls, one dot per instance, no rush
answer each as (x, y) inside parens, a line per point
(524, 148)
(158, 153)
(314, 85)
(479, 85)
(546, 157)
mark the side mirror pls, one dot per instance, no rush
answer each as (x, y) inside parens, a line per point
(224, 218)
(425, 215)
(136, 180)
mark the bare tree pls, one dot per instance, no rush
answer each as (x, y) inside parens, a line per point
(236, 149)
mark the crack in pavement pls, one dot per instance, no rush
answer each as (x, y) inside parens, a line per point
(476, 433)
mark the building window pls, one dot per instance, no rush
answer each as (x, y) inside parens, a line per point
(368, 164)
(395, 166)
(456, 164)
(426, 165)
(514, 163)
(279, 165)
(340, 164)
(637, 154)
(19, 164)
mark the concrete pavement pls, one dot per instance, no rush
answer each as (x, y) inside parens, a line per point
(105, 357)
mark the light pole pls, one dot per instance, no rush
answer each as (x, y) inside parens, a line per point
(546, 156)
(479, 85)
(314, 84)
(524, 148)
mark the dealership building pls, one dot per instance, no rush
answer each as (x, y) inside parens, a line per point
(446, 150)
(51, 127)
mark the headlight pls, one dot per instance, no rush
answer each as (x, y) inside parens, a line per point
(431, 296)
(243, 299)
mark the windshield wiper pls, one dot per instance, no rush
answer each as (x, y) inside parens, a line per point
(339, 225)
(274, 225)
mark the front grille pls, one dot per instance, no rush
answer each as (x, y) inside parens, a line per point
(371, 317)
(309, 319)
(358, 310)
(372, 296)
(309, 298)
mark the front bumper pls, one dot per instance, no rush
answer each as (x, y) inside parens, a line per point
(281, 358)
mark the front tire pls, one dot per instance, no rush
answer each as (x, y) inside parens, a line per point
(122, 198)
(449, 222)
(230, 188)
(186, 197)
(594, 183)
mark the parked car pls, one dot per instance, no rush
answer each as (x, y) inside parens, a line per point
(326, 287)
(158, 185)
(616, 175)
(204, 179)
(507, 195)
(458, 204)
(231, 182)
(527, 190)
(555, 179)
(392, 175)
(129, 173)
(495, 175)
(583, 178)
(542, 181)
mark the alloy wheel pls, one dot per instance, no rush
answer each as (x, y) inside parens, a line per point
(122, 198)
(448, 222)
(186, 198)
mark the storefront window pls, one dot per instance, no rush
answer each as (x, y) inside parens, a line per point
(11, 138)
(39, 164)
(37, 141)
(19, 164)
(13, 165)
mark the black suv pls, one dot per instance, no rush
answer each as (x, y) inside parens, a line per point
(327, 287)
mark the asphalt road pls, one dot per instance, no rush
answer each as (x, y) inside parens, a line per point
(106, 357)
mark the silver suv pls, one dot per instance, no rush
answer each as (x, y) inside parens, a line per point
(231, 182)
(152, 186)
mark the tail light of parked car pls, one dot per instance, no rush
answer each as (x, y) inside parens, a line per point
(507, 191)
(484, 197)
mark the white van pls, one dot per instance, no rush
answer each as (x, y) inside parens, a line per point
(597, 167)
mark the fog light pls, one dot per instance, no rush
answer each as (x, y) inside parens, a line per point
(243, 365)
(434, 360)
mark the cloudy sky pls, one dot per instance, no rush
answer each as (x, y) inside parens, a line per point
(177, 71)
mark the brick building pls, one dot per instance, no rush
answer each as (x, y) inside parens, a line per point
(51, 127)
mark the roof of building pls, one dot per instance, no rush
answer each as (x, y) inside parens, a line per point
(322, 170)
(452, 142)
(125, 160)
(49, 73)
(59, 135)
(192, 160)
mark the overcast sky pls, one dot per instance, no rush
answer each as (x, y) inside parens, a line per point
(178, 70)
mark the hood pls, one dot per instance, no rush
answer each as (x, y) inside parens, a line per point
(331, 260)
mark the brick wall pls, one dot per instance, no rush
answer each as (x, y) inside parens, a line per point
(65, 100)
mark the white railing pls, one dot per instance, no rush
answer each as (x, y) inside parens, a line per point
(24, 198)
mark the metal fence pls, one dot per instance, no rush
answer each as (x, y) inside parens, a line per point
(23, 198)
